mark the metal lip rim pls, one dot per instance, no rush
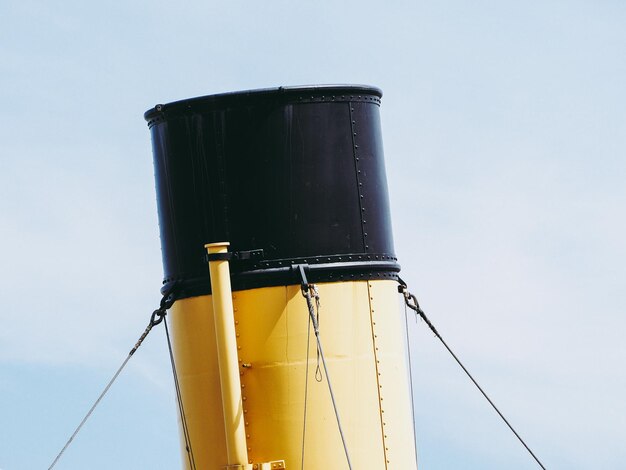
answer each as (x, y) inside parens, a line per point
(234, 97)
(285, 275)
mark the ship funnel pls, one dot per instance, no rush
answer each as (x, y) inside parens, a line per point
(293, 178)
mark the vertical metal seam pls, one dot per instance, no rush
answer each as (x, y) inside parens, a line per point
(204, 179)
(170, 203)
(370, 298)
(221, 171)
(357, 172)
(212, 207)
(289, 124)
(194, 152)
(242, 374)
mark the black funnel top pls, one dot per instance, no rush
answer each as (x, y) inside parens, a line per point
(296, 172)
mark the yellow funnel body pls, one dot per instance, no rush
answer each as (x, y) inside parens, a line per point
(361, 330)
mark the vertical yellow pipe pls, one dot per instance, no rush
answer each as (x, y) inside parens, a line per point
(227, 356)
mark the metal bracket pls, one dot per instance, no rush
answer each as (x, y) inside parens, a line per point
(272, 465)
(301, 270)
(235, 256)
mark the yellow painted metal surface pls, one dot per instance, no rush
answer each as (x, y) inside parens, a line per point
(195, 353)
(227, 357)
(274, 465)
(395, 403)
(361, 332)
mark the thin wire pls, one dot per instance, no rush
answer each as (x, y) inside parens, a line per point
(318, 372)
(106, 389)
(104, 392)
(181, 409)
(421, 313)
(408, 347)
(330, 388)
(306, 390)
(332, 397)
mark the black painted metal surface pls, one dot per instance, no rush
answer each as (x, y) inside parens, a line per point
(297, 172)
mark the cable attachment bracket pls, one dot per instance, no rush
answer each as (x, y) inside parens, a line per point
(309, 292)
(411, 301)
(157, 316)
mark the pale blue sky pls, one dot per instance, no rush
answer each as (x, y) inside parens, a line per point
(505, 142)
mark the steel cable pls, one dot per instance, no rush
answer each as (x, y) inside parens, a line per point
(179, 399)
(313, 320)
(306, 391)
(408, 347)
(155, 319)
(408, 298)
